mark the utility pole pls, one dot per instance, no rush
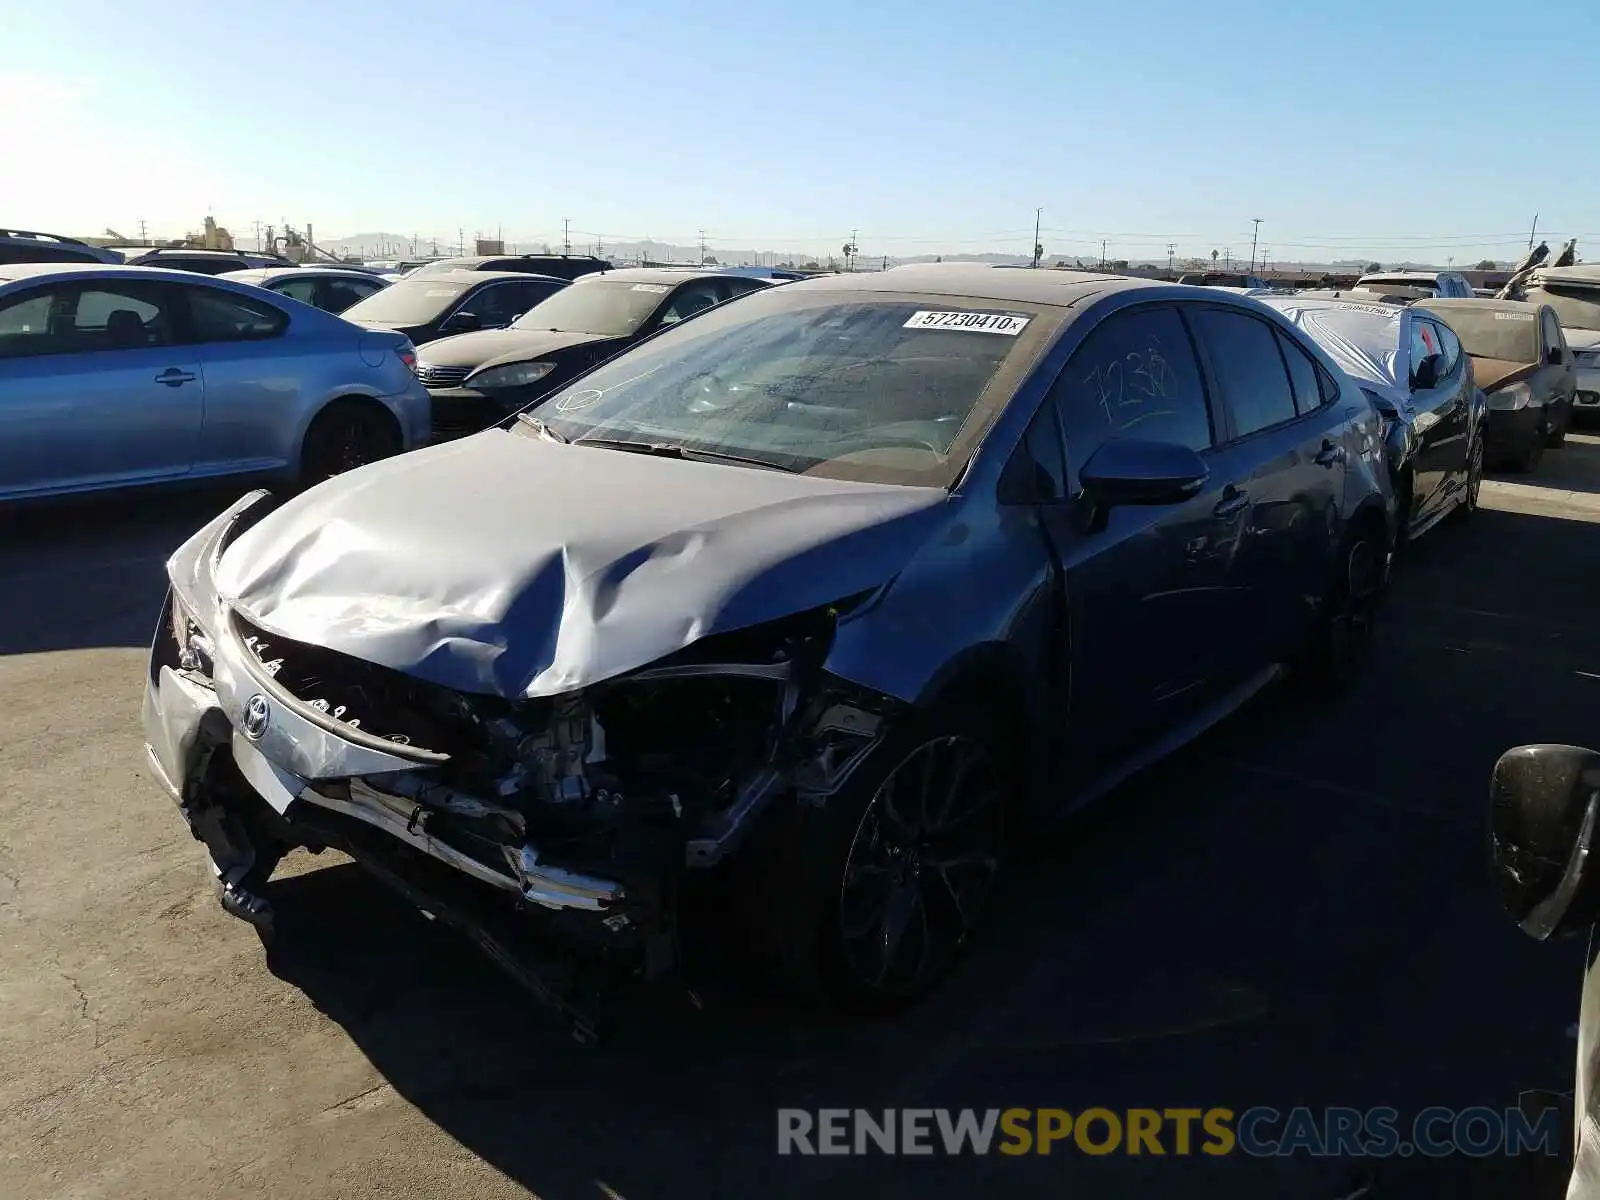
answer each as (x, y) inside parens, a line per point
(702, 261)
(1102, 253)
(1038, 247)
(1171, 250)
(461, 241)
(1253, 235)
(1227, 258)
(1533, 230)
(566, 236)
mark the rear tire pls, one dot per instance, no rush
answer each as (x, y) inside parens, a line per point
(1530, 458)
(345, 435)
(1468, 507)
(866, 902)
(1342, 641)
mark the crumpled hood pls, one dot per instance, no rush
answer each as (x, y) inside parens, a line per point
(1492, 373)
(513, 345)
(508, 564)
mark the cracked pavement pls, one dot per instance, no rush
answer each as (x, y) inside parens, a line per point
(1294, 910)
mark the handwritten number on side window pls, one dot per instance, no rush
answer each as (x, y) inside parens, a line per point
(1148, 377)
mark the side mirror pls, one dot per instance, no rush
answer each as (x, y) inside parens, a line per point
(1133, 471)
(461, 322)
(1544, 808)
(1427, 373)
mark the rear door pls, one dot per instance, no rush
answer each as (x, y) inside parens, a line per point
(1152, 616)
(1290, 451)
(95, 388)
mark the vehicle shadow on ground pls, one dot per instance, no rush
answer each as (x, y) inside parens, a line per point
(1573, 468)
(89, 572)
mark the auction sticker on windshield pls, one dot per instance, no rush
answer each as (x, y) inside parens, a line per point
(1513, 316)
(649, 287)
(970, 322)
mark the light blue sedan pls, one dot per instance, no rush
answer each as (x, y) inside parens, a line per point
(113, 376)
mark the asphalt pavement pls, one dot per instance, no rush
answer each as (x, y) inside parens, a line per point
(1295, 910)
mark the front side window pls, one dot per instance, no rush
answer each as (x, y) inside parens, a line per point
(1424, 343)
(882, 387)
(495, 305)
(73, 318)
(218, 316)
(1249, 369)
(691, 298)
(1134, 376)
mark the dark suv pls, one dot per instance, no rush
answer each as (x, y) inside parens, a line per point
(24, 246)
(562, 266)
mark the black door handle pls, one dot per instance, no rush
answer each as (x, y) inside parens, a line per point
(173, 377)
(1233, 502)
(1330, 453)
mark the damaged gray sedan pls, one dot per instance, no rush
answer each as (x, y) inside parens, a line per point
(805, 604)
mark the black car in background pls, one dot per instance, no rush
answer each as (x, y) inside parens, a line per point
(26, 246)
(428, 307)
(562, 266)
(480, 378)
(203, 262)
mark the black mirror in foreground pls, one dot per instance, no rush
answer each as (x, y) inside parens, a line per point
(1544, 809)
(1131, 471)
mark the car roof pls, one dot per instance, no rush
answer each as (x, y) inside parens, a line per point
(1463, 304)
(1025, 285)
(252, 273)
(30, 272)
(651, 275)
(464, 277)
(461, 261)
(1579, 273)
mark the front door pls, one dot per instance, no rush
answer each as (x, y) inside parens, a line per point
(95, 388)
(1442, 416)
(1153, 619)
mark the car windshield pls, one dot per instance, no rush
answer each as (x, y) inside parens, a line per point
(1576, 307)
(614, 308)
(408, 302)
(886, 388)
(1508, 336)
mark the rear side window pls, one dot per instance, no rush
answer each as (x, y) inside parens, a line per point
(1424, 342)
(1135, 376)
(1302, 374)
(303, 290)
(1249, 369)
(217, 316)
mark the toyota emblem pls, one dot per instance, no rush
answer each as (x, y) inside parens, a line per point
(256, 715)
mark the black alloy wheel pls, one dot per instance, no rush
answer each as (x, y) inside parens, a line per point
(345, 436)
(920, 869)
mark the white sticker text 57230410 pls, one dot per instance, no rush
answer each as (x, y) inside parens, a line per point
(1008, 324)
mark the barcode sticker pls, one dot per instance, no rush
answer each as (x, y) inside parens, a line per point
(1008, 324)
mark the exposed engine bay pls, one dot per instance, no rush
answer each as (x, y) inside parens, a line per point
(584, 810)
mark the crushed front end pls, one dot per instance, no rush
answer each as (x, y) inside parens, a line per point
(557, 832)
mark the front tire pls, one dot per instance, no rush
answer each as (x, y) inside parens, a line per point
(345, 435)
(875, 894)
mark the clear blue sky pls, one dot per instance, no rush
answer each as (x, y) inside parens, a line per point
(1359, 127)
